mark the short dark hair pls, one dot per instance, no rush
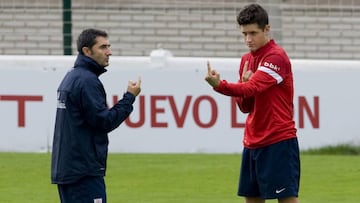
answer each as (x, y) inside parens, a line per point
(87, 38)
(253, 13)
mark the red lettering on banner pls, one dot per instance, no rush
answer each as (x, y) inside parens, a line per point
(179, 119)
(21, 99)
(214, 112)
(155, 110)
(180, 114)
(304, 106)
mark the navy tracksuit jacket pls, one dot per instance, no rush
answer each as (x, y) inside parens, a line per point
(83, 121)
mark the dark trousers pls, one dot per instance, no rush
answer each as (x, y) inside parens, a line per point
(90, 189)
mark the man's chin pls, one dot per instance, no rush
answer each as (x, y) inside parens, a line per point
(106, 65)
(253, 49)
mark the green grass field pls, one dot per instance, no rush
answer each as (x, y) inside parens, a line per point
(178, 178)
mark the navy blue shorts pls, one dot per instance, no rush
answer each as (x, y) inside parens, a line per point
(271, 172)
(90, 189)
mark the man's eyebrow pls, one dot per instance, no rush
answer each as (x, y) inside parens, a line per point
(105, 45)
(249, 32)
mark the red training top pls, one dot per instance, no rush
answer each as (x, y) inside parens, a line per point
(267, 96)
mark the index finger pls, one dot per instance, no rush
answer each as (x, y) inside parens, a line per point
(139, 80)
(208, 67)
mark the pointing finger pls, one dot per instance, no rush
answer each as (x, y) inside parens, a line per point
(209, 68)
(139, 80)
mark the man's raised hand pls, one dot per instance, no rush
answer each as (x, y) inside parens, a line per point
(212, 76)
(134, 87)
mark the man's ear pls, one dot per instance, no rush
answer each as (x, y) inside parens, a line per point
(267, 29)
(86, 51)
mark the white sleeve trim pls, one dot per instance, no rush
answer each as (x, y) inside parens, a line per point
(272, 73)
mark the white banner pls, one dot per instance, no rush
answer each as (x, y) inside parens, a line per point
(176, 111)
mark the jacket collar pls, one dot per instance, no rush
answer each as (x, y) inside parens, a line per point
(88, 63)
(264, 48)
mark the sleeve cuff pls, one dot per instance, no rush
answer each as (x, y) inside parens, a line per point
(129, 96)
(221, 86)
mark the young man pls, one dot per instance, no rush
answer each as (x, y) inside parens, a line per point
(83, 121)
(270, 166)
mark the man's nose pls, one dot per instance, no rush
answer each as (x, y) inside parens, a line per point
(248, 38)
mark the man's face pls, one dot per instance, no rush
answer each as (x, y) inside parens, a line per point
(255, 37)
(100, 52)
